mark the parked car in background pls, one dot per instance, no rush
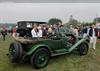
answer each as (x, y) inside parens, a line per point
(25, 27)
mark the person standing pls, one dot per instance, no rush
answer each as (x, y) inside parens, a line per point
(40, 31)
(44, 31)
(4, 33)
(76, 31)
(93, 32)
(71, 27)
(34, 31)
(85, 31)
(14, 32)
(50, 30)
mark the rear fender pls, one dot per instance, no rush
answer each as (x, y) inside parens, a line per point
(35, 47)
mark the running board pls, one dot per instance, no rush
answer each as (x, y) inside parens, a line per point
(60, 52)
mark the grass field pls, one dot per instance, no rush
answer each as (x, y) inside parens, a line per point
(68, 62)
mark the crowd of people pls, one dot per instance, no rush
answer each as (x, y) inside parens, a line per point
(4, 32)
(37, 30)
(90, 31)
(44, 30)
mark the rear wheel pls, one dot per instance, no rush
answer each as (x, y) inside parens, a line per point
(15, 51)
(83, 49)
(40, 58)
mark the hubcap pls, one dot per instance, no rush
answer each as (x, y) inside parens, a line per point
(41, 59)
(83, 49)
(12, 52)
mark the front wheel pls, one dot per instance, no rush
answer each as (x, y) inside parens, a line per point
(40, 58)
(83, 49)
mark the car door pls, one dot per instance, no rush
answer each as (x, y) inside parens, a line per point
(56, 43)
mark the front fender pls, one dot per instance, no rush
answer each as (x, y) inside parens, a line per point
(35, 47)
(83, 40)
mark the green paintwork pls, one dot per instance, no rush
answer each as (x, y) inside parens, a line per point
(77, 44)
(35, 47)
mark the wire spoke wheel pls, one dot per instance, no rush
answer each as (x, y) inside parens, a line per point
(15, 52)
(12, 53)
(83, 49)
(40, 58)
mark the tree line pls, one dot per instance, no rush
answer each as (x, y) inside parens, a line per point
(73, 22)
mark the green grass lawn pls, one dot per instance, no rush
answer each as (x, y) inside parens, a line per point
(68, 62)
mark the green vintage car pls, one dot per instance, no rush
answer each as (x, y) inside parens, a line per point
(39, 50)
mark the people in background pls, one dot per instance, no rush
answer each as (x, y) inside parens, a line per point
(93, 32)
(4, 33)
(85, 31)
(39, 33)
(14, 32)
(71, 27)
(50, 29)
(44, 31)
(76, 31)
(36, 31)
(80, 31)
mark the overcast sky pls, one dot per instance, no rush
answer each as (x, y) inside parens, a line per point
(12, 12)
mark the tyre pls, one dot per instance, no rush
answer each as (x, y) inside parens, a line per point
(15, 52)
(83, 49)
(40, 58)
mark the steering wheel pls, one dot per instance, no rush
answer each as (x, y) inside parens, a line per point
(56, 36)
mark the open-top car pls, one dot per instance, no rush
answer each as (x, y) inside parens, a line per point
(39, 50)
